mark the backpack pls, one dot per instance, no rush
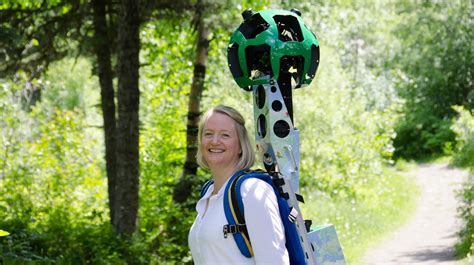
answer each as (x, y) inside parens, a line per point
(234, 212)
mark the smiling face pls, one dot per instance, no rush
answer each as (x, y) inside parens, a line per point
(220, 143)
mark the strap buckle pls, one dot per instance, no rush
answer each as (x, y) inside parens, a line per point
(237, 228)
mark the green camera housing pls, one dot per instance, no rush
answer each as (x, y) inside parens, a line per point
(272, 45)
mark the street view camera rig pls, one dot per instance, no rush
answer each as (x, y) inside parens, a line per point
(271, 53)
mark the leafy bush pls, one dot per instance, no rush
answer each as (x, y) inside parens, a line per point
(465, 246)
(463, 126)
(433, 70)
(421, 136)
(344, 144)
(54, 198)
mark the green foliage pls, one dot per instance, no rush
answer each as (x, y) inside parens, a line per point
(362, 223)
(463, 127)
(422, 135)
(36, 33)
(344, 144)
(53, 185)
(434, 69)
(465, 246)
(164, 224)
(463, 156)
(65, 83)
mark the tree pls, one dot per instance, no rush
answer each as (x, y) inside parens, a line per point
(104, 65)
(184, 187)
(91, 29)
(33, 32)
(205, 12)
(435, 73)
(45, 44)
(128, 102)
(30, 34)
(36, 36)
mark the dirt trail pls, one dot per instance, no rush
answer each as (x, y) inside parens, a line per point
(430, 234)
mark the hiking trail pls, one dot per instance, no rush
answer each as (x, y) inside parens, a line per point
(429, 235)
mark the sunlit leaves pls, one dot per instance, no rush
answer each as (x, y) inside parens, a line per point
(34, 32)
(463, 155)
(463, 127)
(52, 164)
(437, 61)
(3, 233)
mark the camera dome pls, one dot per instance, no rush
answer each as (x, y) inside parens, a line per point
(271, 44)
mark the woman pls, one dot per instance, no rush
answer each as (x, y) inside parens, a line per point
(224, 148)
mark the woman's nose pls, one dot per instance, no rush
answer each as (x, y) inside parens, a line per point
(215, 139)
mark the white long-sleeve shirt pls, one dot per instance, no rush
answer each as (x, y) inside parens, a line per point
(264, 225)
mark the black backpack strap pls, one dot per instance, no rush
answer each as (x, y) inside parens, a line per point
(205, 187)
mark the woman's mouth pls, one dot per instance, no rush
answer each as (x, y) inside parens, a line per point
(214, 150)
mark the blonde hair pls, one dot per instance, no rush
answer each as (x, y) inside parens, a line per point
(247, 158)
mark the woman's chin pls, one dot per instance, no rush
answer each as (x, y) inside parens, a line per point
(216, 163)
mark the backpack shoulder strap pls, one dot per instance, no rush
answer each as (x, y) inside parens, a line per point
(234, 209)
(205, 187)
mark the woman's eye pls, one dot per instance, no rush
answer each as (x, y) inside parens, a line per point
(226, 135)
(208, 134)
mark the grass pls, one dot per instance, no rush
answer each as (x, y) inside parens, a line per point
(404, 165)
(363, 223)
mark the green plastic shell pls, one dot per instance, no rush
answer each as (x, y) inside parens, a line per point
(278, 49)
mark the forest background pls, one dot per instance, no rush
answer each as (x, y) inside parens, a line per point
(99, 99)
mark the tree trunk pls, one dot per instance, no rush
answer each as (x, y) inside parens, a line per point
(102, 50)
(184, 187)
(128, 105)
